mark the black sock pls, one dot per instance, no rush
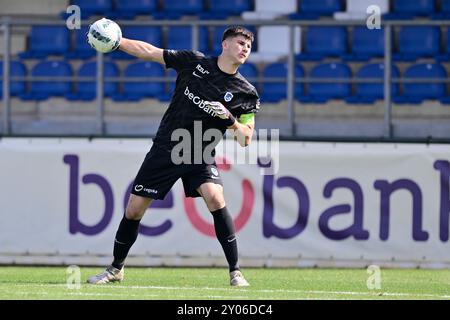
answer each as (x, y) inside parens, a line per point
(224, 226)
(125, 237)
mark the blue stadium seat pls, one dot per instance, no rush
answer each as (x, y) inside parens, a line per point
(180, 37)
(370, 92)
(274, 92)
(366, 44)
(128, 9)
(416, 42)
(134, 91)
(447, 46)
(41, 90)
(444, 14)
(445, 6)
(16, 69)
(249, 70)
(217, 39)
(174, 9)
(313, 9)
(407, 9)
(322, 92)
(88, 90)
(417, 92)
(47, 40)
(81, 48)
(95, 7)
(221, 9)
(150, 34)
(444, 57)
(324, 42)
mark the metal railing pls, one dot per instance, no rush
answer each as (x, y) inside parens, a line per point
(6, 23)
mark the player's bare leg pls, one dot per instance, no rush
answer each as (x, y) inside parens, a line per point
(125, 237)
(137, 206)
(212, 194)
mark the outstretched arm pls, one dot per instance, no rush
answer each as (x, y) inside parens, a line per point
(142, 50)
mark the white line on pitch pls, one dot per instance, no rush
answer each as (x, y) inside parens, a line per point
(398, 294)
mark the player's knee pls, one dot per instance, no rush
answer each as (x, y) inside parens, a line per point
(136, 207)
(215, 202)
(134, 213)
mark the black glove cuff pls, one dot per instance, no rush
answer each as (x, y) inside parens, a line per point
(230, 121)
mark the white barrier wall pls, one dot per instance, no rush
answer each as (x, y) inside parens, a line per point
(345, 204)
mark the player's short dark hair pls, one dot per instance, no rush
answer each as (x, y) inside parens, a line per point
(235, 31)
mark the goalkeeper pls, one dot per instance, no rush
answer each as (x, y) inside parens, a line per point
(209, 91)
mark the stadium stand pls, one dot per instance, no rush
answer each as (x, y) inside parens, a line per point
(47, 40)
(417, 92)
(322, 92)
(366, 44)
(129, 9)
(135, 91)
(335, 51)
(266, 10)
(42, 90)
(17, 69)
(444, 14)
(314, 9)
(94, 7)
(273, 43)
(88, 90)
(274, 92)
(408, 9)
(175, 9)
(357, 9)
(179, 38)
(370, 92)
(446, 55)
(222, 9)
(322, 42)
(80, 49)
(216, 38)
(417, 42)
(249, 71)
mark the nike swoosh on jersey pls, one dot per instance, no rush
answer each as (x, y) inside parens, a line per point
(197, 75)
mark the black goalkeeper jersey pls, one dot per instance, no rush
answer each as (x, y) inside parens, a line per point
(199, 79)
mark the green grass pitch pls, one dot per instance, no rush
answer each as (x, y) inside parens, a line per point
(212, 283)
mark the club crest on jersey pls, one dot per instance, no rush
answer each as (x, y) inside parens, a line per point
(228, 96)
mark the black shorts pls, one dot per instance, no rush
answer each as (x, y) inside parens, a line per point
(158, 174)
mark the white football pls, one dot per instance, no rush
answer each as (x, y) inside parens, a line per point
(104, 35)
